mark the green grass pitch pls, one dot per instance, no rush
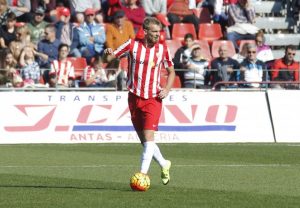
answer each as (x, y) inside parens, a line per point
(97, 175)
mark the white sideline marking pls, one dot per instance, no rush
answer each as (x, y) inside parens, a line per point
(196, 165)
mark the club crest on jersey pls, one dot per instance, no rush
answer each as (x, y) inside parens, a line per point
(152, 64)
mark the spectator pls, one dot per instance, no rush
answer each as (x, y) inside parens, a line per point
(154, 7)
(196, 74)
(21, 8)
(224, 68)
(8, 31)
(96, 76)
(241, 17)
(37, 25)
(67, 32)
(79, 6)
(47, 49)
(49, 7)
(181, 11)
(113, 6)
(22, 40)
(30, 70)
(264, 52)
(158, 9)
(286, 69)
(119, 31)
(99, 19)
(4, 11)
(252, 69)
(134, 13)
(220, 13)
(182, 55)
(91, 36)
(9, 74)
(62, 72)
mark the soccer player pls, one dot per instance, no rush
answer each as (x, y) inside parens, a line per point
(145, 94)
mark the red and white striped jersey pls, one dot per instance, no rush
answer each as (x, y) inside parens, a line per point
(89, 72)
(145, 66)
(63, 70)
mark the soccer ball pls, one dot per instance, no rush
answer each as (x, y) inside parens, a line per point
(140, 182)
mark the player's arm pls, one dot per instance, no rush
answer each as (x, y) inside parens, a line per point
(170, 80)
(108, 54)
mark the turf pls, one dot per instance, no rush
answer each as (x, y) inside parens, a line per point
(97, 175)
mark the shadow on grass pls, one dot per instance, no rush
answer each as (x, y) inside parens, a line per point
(65, 187)
(38, 182)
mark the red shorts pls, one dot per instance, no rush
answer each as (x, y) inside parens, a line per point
(145, 113)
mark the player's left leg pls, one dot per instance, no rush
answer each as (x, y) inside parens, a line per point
(148, 150)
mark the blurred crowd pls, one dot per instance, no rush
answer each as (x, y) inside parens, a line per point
(60, 43)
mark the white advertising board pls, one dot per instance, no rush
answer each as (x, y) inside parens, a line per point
(102, 117)
(285, 109)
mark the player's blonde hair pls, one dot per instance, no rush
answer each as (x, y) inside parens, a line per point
(150, 20)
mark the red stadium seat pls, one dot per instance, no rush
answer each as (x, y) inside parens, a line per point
(217, 43)
(180, 29)
(79, 65)
(176, 84)
(210, 32)
(173, 45)
(241, 43)
(205, 49)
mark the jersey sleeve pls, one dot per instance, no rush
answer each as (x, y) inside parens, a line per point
(121, 50)
(167, 57)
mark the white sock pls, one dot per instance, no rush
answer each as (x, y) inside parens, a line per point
(158, 156)
(147, 156)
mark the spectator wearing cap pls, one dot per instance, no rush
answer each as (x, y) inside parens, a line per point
(119, 31)
(21, 8)
(182, 55)
(91, 36)
(196, 75)
(37, 25)
(80, 6)
(49, 7)
(67, 32)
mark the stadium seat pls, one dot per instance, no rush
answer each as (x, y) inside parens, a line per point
(241, 43)
(176, 84)
(180, 29)
(79, 64)
(205, 49)
(268, 8)
(210, 32)
(282, 39)
(275, 23)
(173, 46)
(217, 43)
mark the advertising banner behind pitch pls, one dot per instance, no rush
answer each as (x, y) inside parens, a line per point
(285, 109)
(98, 117)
